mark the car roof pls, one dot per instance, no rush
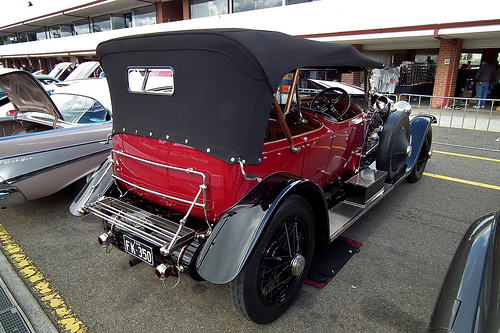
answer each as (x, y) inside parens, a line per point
(224, 82)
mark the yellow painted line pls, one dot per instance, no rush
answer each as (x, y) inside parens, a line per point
(463, 181)
(467, 156)
(41, 286)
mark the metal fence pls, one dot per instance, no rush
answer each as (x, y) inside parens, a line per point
(459, 122)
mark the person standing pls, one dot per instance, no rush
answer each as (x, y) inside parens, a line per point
(496, 83)
(484, 77)
(461, 79)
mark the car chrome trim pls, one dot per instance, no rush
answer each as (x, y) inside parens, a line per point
(100, 181)
(33, 173)
(51, 149)
(151, 228)
(343, 215)
(202, 186)
(10, 196)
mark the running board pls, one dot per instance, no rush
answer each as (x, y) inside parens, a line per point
(168, 235)
(368, 187)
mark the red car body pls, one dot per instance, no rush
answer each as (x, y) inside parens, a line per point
(210, 173)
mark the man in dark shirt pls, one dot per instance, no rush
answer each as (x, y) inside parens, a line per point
(484, 77)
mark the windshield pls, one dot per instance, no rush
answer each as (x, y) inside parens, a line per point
(80, 109)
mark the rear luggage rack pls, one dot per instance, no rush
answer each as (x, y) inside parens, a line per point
(158, 231)
(201, 191)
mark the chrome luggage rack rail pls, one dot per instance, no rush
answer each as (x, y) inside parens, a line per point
(158, 231)
(166, 234)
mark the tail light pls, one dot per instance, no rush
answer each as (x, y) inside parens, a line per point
(162, 271)
(105, 239)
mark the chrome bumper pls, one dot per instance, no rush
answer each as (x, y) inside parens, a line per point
(10, 196)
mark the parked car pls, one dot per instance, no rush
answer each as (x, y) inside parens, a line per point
(67, 71)
(84, 70)
(47, 80)
(62, 70)
(48, 83)
(209, 174)
(469, 300)
(50, 142)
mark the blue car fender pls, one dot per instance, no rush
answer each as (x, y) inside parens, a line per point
(419, 126)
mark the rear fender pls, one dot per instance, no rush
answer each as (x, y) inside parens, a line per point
(98, 184)
(239, 228)
(419, 126)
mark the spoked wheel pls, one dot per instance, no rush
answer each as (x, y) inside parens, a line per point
(333, 101)
(393, 146)
(278, 265)
(423, 157)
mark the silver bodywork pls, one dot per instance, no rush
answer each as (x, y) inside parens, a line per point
(39, 152)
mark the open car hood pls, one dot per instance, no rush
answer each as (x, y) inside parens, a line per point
(26, 93)
(83, 71)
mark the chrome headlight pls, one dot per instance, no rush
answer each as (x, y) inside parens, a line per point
(402, 106)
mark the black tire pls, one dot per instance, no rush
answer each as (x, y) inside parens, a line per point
(394, 141)
(288, 240)
(422, 158)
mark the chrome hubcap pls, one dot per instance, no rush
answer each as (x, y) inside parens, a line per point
(297, 264)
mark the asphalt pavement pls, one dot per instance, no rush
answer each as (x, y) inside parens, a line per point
(391, 285)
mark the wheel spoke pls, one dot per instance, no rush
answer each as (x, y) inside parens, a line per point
(288, 240)
(276, 277)
(273, 275)
(277, 286)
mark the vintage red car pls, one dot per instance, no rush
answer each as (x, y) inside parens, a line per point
(219, 171)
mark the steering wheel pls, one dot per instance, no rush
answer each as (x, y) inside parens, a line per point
(327, 99)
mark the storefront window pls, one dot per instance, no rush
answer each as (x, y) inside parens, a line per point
(205, 8)
(118, 22)
(27, 36)
(128, 20)
(31, 36)
(101, 23)
(144, 16)
(40, 34)
(245, 5)
(54, 32)
(66, 30)
(82, 27)
(22, 37)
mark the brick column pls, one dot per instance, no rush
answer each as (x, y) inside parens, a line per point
(446, 72)
(42, 63)
(186, 10)
(169, 11)
(355, 77)
(53, 63)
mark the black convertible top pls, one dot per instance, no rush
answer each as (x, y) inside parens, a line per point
(224, 81)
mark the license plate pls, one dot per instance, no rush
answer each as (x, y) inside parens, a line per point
(138, 250)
